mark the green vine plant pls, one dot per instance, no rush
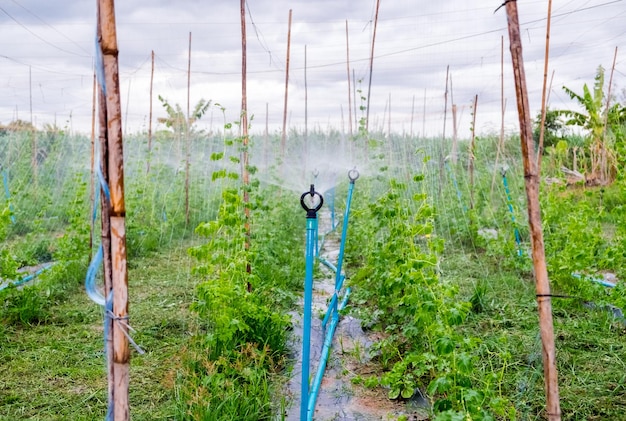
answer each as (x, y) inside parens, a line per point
(399, 292)
(244, 337)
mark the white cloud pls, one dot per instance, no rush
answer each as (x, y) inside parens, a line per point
(45, 54)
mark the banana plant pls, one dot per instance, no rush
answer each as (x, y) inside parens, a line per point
(603, 125)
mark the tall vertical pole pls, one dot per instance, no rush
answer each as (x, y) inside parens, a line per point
(544, 88)
(245, 139)
(117, 209)
(283, 138)
(106, 222)
(531, 175)
(369, 86)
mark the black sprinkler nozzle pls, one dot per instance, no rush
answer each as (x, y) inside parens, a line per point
(311, 212)
(353, 175)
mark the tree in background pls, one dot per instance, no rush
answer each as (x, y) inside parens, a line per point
(604, 125)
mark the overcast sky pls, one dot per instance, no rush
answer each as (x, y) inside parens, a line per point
(47, 49)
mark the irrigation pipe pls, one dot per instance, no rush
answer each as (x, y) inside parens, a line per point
(27, 278)
(518, 239)
(311, 209)
(333, 308)
(353, 175)
(456, 185)
(328, 341)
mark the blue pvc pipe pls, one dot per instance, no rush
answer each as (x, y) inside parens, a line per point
(28, 277)
(328, 341)
(339, 277)
(456, 185)
(328, 264)
(331, 204)
(518, 239)
(595, 279)
(311, 237)
(333, 309)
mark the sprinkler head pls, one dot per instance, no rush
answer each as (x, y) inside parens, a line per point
(311, 211)
(353, 175)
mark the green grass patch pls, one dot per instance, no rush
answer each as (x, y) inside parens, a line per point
(55, 369)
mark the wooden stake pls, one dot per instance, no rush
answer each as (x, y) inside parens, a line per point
(106, 224)
(369, 86)
(544, 88)
(115, 170)
(245, 175)
(283, 139)
(531, 176)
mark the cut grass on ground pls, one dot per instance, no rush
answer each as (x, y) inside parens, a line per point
(590, 342)
(56, 370)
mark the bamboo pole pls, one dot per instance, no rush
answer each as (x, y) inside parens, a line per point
(105, 225)
(115, 171)
(369, 86)
(188, 134)
(531, 176)
(283, 138)
(348, 72)
(150, 116)
(245, 175)
(544, 89)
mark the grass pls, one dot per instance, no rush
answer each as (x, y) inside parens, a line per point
(56, 370)
(591, 346)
